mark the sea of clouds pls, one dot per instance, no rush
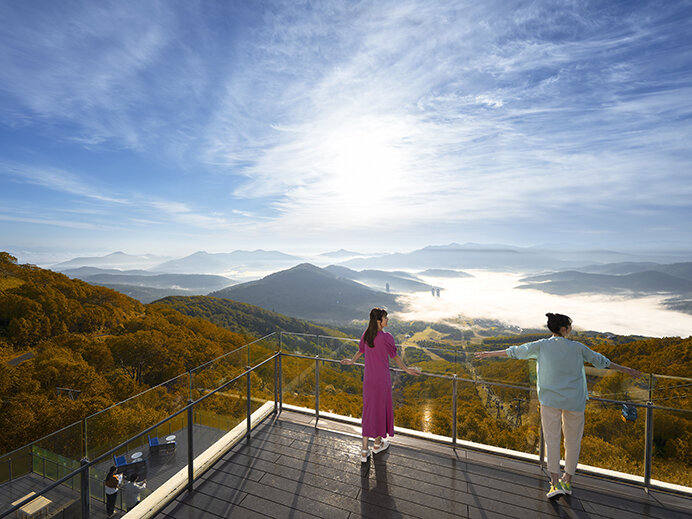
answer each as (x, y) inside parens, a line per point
(494, 295)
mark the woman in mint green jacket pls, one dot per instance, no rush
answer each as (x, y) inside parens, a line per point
(562, 392)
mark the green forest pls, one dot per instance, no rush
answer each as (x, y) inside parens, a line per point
(105, 347)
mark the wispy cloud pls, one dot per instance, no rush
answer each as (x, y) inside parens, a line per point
(440, 115)
(50, 221)
(57, 180)
(181, 213)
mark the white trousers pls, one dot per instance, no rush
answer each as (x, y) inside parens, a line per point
(572, 427)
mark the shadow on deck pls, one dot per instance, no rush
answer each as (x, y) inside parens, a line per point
(290, 469)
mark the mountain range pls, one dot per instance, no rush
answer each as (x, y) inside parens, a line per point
(113, 260)
(635, 279)
(217, 263)
(453, 256)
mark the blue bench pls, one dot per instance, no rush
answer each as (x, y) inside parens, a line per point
(138, 466)
(157, 447)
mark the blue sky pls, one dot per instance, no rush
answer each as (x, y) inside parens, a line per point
(170, 127)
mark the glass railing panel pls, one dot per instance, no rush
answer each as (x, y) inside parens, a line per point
(671, 460)
(16, 464)
(64, 446)
(298, 381)
(262, 384)
(263, 349)
(614, 385)
(215, 373)
(441, 361)
(116, 424)
(341, 389)
(669, 391)
(337, 348)
(305, 344)
(520, 373)
(422, 403)
(218, 414)
(611, 440)
(497, 416)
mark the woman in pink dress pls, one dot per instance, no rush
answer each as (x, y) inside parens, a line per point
(378, 415)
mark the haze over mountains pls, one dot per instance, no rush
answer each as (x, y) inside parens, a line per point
(342, 284)
(396, 281)
(149, 286)
(500, 257)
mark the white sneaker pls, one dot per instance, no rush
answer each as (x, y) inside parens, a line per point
(364, 455)
(383, 446)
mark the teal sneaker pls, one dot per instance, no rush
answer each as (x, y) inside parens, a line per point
(555, 491)
(566, 487)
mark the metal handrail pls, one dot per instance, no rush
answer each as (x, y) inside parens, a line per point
(489, 383)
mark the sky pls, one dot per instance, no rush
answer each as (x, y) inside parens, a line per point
(171, 127)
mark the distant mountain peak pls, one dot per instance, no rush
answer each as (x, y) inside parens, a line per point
(341, 253)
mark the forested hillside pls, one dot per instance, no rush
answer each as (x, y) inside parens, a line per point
(56, 332)
(241, 317)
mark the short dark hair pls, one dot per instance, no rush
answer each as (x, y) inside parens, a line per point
(557, 321)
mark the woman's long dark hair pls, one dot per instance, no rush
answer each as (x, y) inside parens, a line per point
(111, 472)
(376, 314)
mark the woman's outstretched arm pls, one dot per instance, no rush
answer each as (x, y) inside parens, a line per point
(624, 369)
(410, 371)
(488, 354)
(351, 361)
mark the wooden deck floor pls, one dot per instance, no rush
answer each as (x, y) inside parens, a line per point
(290, 469)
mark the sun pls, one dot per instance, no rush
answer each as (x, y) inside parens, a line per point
(363, 161)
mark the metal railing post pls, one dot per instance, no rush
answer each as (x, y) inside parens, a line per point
(454, 411)
(44, 466)
(189, 383)
(190, 450)
(317, 388)
(648, 446)
(84, 488)
(276, 384)
(9, 467)
(84, 438)
(281, 383)
(248, 403)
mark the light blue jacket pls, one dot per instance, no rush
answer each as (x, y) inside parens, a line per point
(561, 379)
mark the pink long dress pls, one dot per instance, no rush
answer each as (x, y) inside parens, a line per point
(378, 414)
